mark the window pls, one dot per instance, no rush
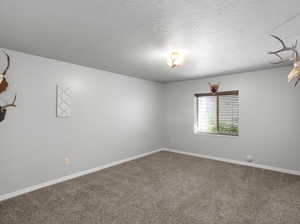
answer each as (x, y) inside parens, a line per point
(217, 113)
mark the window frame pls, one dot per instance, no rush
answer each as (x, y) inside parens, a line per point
(196, 125)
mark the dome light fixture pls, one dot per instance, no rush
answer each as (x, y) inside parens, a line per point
(175, 59)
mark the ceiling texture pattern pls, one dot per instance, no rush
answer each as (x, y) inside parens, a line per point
(133, 37)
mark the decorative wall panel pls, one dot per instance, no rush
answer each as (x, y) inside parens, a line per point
(63, 101)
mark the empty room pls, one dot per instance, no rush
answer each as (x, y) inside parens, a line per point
(150, 112)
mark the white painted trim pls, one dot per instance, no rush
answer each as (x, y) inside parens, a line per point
(242, 163)
(72, 176)
(85, 172)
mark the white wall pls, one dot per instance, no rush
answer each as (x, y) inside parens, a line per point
(116, 116)
(269, 119)
(113, 117)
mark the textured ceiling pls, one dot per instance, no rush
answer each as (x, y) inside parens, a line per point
(132, 37)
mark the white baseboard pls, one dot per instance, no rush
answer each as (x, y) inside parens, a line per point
(242, 163)
(85, 172)
(72, 176)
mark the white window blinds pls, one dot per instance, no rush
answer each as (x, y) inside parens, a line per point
(217, 114)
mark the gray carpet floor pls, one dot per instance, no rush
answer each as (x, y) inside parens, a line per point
(163, 188)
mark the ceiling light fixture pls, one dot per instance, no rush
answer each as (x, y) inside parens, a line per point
(175, 59)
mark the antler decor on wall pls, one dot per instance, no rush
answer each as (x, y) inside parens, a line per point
(3, 108)
(295, 73)
(214, 87)
(3, 87)
(3, 82)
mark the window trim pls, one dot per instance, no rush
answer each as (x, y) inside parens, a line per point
(224, 93)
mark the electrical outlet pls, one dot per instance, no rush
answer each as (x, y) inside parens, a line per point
(249, 158)
(67, 161)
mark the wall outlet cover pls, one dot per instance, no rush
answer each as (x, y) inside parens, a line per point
(67, 161)
(249, 158)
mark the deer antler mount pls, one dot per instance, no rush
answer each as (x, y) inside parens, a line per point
(3, 109)
(295, 73)
(3, 82)
(3, 87)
